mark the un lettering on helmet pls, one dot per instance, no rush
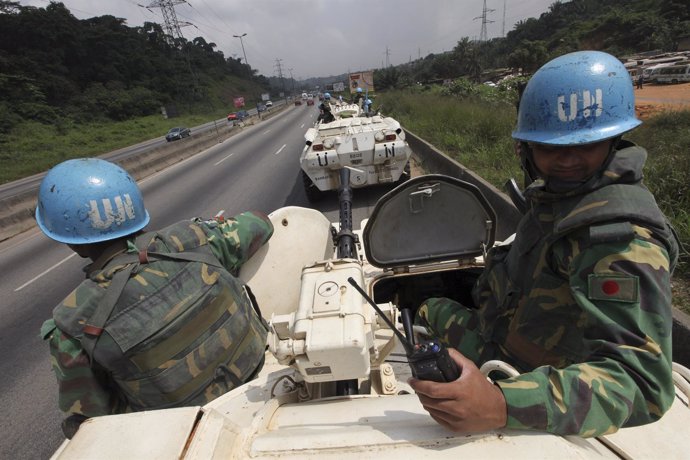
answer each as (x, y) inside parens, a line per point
(591, 105)
(124, 209)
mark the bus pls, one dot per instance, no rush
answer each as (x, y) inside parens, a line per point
(649, 73)
(673, 74)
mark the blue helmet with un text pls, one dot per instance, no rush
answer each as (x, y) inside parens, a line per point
(89, 200)
(577, 98)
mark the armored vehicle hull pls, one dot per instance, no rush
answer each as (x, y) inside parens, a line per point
(335, 380)
(372, 146)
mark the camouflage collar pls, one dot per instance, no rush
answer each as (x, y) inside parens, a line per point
(108, 254)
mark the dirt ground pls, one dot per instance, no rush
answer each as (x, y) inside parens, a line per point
(652, 99)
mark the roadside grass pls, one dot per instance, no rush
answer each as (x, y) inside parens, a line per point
(476, 133)
(33, 147)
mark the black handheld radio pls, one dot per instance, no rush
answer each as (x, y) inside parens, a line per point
(428, 360)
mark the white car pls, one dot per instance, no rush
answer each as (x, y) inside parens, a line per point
(269, 104)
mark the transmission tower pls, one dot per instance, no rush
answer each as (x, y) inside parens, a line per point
(483, 35)
(171, 24)
(279, 69)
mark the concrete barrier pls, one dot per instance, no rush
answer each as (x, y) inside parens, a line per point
(17, 212)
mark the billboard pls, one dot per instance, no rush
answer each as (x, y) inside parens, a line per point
(364, 80)
(239, 102)
(339, 87)
(265, 96)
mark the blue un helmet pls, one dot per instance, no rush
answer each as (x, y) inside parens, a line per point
(89, 200)
(577, 98)
(359, 90)
(327, 96)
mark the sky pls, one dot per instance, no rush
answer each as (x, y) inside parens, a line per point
(321, 38)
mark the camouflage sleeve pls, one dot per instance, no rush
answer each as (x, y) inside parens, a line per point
(234, 240)
(625, 378)
(81, 389)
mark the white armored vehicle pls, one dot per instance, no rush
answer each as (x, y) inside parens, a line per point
(373, 147)
(334, 383)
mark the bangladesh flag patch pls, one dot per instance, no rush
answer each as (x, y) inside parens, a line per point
(613, 287)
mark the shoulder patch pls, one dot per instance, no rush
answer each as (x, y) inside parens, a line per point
(618, 232)
(616, 287)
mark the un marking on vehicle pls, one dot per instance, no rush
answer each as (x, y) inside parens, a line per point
(325, 159)
(124, 209)
(591, 105)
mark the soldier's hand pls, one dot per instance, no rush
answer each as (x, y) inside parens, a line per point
(469, 404)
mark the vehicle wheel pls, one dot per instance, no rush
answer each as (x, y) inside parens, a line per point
(312, 191)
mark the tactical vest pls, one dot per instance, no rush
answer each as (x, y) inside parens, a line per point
(528, 310)
(169, 328)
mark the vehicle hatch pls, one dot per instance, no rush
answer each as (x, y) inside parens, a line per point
(429, 219)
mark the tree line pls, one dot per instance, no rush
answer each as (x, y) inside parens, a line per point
(619, 27)
(53, 65)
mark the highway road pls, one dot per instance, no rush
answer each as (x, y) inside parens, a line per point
(257, 169)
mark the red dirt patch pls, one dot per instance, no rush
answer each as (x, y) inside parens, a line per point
(652, 99)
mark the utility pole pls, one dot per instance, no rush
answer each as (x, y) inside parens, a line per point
(503, 29)
(243, 53)
(388, 55)
(483, 35)
(293, 81)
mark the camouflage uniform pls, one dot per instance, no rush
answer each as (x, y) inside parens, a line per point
(177, 336)
(580, 303)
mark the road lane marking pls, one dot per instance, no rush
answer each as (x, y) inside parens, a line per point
(280, 149)
(46, 271)
(302, 125)
(220, 213)
(220, 161)
(267, 131)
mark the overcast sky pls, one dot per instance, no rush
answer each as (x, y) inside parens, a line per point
(320, 38)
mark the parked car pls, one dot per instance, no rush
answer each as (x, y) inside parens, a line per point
(238, 116)
(298, 102)
(269, 104)
(260, 108)
(177, 133)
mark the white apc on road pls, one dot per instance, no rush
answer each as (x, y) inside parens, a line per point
(372, 146)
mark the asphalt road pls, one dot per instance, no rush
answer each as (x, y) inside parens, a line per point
(257, 169)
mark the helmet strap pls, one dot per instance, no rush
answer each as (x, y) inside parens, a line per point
(527, 163)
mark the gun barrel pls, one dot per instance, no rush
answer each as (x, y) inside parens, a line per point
(345, 238)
